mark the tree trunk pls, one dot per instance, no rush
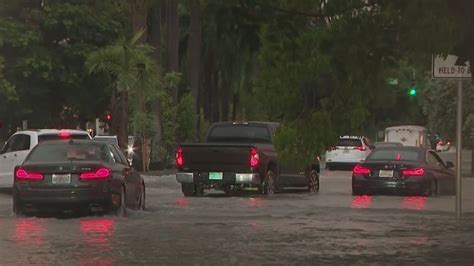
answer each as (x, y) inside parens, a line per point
(214, 97)
(155, 35)
(123, 123)
(173, 41)
(225, 98)
(235, 101)
(139, 22)
(194, 57)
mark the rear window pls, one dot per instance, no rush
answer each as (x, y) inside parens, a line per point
(394, 155)
(46, 137)
(240, 133)
(349, 142)
(54, 152)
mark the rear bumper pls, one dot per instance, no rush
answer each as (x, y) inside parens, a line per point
(53, 198)
(373, 185)
(227, 178)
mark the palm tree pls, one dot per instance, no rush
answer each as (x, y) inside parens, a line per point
(133, 73)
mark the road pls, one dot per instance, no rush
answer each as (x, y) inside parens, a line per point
(292, 228)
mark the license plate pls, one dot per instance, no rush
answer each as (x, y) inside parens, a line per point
(386, 173)
(346, 150)
(215, 176)
(61, 178)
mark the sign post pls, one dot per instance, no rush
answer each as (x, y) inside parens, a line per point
(459, 152)
(449, 68)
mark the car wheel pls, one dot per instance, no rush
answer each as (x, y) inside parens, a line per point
(313, 182)
(430, 189)
(142, 203)
(268, 185)
(188, 189)
(122, 208)
(17, 208)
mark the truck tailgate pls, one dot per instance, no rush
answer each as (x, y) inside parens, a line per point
(219, 157)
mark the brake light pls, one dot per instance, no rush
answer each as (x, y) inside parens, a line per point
(179, 157)
(24, 175)
(254, 157)
(64, 134)
(360, 148)
(413, 172)
(100, 173)
(360, 170)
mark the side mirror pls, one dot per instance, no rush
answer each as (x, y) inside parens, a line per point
(449, 164)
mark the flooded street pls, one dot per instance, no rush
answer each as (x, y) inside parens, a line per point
(292, 228)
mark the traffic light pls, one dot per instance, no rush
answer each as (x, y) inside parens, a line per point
(108, 117)
(412, 89)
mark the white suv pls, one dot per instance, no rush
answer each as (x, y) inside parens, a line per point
(349, 151)
(18, 146)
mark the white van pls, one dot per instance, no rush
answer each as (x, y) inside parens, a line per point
(408, 135)
(18, 146)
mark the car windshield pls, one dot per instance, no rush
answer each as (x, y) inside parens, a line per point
(394, 154)
(240, 133)
(64, 151)
(349, 142)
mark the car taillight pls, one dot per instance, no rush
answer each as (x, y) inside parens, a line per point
(100, 173)
(360, 148)
(254, 157)
(179, 157)
(413, 172)
(25, 175)
(360, 170)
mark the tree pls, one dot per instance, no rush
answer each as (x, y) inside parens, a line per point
(132, 70)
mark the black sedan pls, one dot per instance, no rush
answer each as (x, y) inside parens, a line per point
(77, 174)
(410, 170)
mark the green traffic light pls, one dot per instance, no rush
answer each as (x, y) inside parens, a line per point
(412, 92)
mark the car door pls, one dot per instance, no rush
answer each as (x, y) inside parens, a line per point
(13, 153)
(437, 169)
(447, 176)
(129, 178)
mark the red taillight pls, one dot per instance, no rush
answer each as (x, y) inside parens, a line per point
(24, 175)
(413, 172)
(360, 148)
(100, 173)
(179, 157)
(64, 134)
(360, 170)
(254, 157)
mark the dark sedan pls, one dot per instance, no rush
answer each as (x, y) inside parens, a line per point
(403, 170)
(77, 174)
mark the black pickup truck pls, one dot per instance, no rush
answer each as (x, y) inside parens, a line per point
(237, 156)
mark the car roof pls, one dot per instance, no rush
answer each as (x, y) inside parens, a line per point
(407, 127)
(73, 141)
(406, 148)
(228, 123)
(105, 137)
(351, 137)
(52, 131)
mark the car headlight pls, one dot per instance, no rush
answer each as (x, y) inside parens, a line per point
(130, 149)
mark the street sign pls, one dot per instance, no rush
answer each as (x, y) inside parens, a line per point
(449, 67)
